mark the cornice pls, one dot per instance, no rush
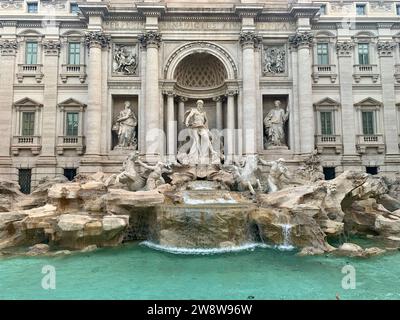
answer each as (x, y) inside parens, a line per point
(151, 10)
(304, 10)
(248, 11)
(97, 9)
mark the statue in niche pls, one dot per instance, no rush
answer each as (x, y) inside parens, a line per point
(276, 175)
(274, 126)
(199, 150)
(125, 61)
(125, 127)
(274, 60)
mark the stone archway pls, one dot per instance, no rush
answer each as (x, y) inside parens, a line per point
(201, 70)
(200, 47)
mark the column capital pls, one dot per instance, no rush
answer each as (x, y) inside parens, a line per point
(231, 92)
(169, 92)
(150, 39)
(385, 48)
(8, 47)
(249, 39)
(97, 39)
(301, 39)
(344, 48)
(51, 47)
(217, 98)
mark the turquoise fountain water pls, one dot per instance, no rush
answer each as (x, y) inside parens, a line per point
(139, 272)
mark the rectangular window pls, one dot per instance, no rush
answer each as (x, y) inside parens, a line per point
(398, 9)
(74, 8)
(363, 53)
(323, 53)
(322, 9)
(72, 123)
(70, 173)
(326, 123)
(74, 49)
(371, 170)
(368, 122)
(28, 123)
(31, 53)
(361, 9)
(32, 7)
(24, 180)
(329, 173)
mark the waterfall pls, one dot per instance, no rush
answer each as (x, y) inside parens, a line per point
(287, 242)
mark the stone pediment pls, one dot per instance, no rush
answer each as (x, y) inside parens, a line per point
(71, 103)
(326, 102)
(27, 102)
(368, 102)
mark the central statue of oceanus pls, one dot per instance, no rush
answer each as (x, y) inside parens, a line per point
(199, 149)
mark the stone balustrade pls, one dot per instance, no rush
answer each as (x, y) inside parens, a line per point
(365, 141)
(72, 143)
(32, 143)
(329, 141)
(30, 70)
(73, 70)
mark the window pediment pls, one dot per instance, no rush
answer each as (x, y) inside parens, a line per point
(27, 102)
(368, 103)
(71, 102)
(327, 103)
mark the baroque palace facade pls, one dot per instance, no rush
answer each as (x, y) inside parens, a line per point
(83, 84)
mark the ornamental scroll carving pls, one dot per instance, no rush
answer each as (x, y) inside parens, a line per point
(301, 39)
(97, 38)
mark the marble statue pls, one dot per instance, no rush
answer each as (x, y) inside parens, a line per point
(274, 60)
(200, 149)
(126, 127)
(155, 178)
(274, 125)
(129, 175)
(125, 62)
(277, 172)
(244, 174)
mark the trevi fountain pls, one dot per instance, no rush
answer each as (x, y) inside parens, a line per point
(200, 219)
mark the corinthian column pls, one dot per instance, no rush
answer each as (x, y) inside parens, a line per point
(95, 41)
(302, 41)
(344, 53)
(51, 50)
(151, 41)
(385, 51)
(249, 40)
(171, 127)
(8, 50)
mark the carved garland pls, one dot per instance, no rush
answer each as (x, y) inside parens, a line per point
(386, 48)
(51, 46)
(344, 48)
(8, 46)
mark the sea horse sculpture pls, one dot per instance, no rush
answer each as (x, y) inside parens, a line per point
(129, 176)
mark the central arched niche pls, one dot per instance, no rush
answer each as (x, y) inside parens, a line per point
(200, 71)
